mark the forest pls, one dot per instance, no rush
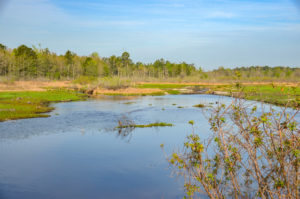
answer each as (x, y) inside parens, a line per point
(27, 63)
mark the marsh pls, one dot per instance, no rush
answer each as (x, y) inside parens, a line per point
(78, 153)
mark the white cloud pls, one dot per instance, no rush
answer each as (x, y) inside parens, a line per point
(43, 13)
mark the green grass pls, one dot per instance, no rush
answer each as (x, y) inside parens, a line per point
(84, 80)
(158, 124)
(173, 92)
(273, 94)
(19, 105)
(278, 95)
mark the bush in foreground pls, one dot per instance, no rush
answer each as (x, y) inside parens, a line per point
(251, 154)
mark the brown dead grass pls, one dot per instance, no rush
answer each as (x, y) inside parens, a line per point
(127, 91)
(220, 84)
(33, 85)
(43, 85)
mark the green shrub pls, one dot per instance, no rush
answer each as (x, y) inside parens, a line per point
(84, 80)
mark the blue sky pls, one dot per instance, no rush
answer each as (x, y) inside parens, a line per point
(209, 33)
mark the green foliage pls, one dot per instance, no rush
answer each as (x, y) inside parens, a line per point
(90, 67)
(84, 80)
(2, 47)
(25, 62)
(256, 73)
(24, 51)
(69, 56)
(191, 122)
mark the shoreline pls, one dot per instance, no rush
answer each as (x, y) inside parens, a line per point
(29, 99)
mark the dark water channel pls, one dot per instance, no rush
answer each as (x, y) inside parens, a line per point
(76, 153)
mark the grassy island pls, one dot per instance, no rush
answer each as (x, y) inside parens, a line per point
(30, 104)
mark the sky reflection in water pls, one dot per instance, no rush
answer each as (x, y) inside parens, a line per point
(76, 153)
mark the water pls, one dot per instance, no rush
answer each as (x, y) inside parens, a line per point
(76, 153)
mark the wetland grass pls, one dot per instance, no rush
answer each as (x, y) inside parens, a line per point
(20, 105)
(157, 124)
(199, 106)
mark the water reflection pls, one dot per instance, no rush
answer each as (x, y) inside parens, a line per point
(78, 153)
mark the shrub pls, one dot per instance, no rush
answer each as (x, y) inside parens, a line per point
(251, 154)
(84, 80)
(114, 83)
(7, 80)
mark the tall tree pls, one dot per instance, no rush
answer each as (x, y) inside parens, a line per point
(26, 62)
(126, 61)
(69, 57)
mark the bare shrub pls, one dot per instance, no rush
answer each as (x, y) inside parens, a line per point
(251, 154)
(114, 83)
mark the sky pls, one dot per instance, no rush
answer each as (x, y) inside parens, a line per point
(208, 33)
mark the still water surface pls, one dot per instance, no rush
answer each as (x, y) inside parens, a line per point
(76, 153)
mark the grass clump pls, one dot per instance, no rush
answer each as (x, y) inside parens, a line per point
(157, 124)
(20, 105)
(173, 92)
(199, 106)
(128, 103)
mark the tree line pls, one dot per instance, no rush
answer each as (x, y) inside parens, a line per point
(26, 62)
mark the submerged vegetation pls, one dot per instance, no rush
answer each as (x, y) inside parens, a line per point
(18, 105)
(157, 124)
(199, 106)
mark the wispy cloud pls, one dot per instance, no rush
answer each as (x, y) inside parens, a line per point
(194, 31)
